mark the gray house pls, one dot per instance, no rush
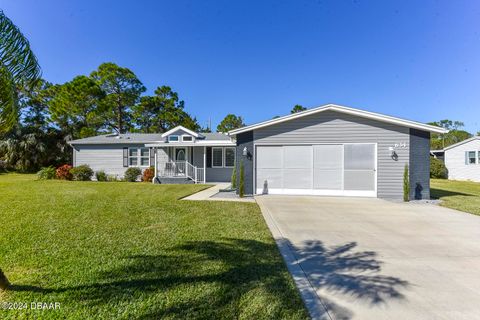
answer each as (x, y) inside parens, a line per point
(329, 150)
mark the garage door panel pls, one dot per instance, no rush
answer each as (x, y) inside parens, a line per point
(270, 178)
(359, 180)
(328, 179)
(299, 157)
(270, 157)
(328, 156)
(297, 178)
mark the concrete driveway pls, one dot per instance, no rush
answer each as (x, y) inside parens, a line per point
(374, 259)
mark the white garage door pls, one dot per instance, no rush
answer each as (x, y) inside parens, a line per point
(332, 169)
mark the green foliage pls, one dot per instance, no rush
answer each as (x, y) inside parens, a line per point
(230, 122)
(148, 174)
(162, 112)
(64, 172)
(406, 184)
(82, 173)
(18, 67)
(122, 91)
(297, 108)
(234, 177)
(101, 176)
(455, 135)
(113, 178)
(241, 186)
(46, 173)
(131, 174)
(437, 169)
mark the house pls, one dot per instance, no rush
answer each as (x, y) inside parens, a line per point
(463, 160)
(329, 150)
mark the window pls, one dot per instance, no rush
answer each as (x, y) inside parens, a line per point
(229, 157)
(217, 157)
(138, 157)
(471, 157)
(173, 138)
(187, 138)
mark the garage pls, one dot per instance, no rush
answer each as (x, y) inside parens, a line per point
(347, 169)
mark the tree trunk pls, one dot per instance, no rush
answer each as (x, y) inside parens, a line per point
(3, 281)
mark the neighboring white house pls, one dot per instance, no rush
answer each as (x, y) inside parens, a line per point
(462, 160)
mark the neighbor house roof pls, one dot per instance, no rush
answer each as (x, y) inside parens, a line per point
(462, 142)
(144, 138)
(346, 110)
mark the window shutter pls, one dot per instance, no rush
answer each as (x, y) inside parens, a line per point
(125, 156)
(152, 157)
(209, 157)
(466, 157)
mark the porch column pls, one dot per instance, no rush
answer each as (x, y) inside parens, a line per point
(156, 164)
(204, 164)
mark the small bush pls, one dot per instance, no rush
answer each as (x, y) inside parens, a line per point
(406, 184)
(234, 177)
(63, 172)
(131, 174)
(438, 169)
(101, 175)
(241, 186)
(148, 174)
(82, 173)
(46, 173)
(112, 178)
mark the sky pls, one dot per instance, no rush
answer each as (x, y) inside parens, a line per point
(418, 60)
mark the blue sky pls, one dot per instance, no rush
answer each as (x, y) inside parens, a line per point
(414, 59)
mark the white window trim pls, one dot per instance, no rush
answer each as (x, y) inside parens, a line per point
(223, 159)
(225, 156)
(139, 157)
(183, 138)
(476, 154)
(173, 135)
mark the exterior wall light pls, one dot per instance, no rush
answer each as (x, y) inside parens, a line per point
(245, 152)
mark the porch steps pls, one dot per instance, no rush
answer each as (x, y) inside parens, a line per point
(173, 180)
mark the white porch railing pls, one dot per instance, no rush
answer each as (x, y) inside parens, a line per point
(181, 169)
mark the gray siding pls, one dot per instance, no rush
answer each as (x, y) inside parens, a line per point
(336, 127)
(245, 140)
(219, 174)
(108, 158)
(198, 157)
(419, 173)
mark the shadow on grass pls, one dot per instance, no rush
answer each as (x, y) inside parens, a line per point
(440, 193)
(232, 278)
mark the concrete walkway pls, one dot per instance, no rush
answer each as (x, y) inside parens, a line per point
(208, 194)
(359, 258)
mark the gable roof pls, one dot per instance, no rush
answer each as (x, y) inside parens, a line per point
(461, 142)
(190, 132)
(342, 109)
(114, 138)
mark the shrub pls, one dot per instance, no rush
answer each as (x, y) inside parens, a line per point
(63, 172)
(234, 177)
(437, 169)
(131, 174)
(82, 173)
(148, 174)
(3, 166)
(406, 184)
(112, 178)
(46, 173)
(241, 186)
(101, 175)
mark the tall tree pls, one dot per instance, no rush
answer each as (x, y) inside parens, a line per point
(122, 91)
(230, 122)
(18, 67)
(33, 102)
(76, 107)
(162, 112)
(297, 108)
(455, 134)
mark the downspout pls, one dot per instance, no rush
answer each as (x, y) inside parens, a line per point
(156, 162)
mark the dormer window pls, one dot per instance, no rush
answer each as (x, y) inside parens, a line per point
(187, 138)
(173, 138)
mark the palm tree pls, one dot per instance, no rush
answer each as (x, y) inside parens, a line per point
(18, 67)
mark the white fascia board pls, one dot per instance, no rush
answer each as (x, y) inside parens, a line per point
(195, 144)
(347, 110)
(190, 132)
(461, 142)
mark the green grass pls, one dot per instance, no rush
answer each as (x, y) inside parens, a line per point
(459, 195)
(118, 250)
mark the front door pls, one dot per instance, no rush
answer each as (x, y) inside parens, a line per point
(180, 154)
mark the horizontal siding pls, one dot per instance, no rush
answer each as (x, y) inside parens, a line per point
(219, 174)
(198, 157)
(108, 158)
(335, 127)
(455, 162)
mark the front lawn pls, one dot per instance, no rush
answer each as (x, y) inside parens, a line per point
(134, 251)
(459, 195)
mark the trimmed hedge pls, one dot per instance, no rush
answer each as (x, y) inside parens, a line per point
(438, 169)
(131, 174)
(82, 173)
